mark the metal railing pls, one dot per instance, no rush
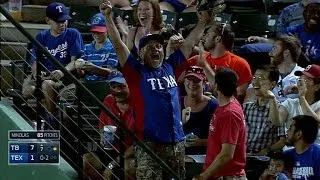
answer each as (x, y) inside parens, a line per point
(80, 133)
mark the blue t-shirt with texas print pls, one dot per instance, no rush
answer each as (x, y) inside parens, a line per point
(309, 41)
(155, 97)
(305, 166)
(63, 47)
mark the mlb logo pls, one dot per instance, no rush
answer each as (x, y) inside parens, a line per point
(297, 163)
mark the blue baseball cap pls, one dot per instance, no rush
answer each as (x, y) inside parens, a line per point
(98, 23)
(116, 76)
(144, 40)
(57, 12)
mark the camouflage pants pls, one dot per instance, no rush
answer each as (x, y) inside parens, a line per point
(149, 169)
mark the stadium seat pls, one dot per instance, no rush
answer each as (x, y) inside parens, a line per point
(245, 25)
(88, 129)
(275, 6)
(223, 18)
(255, 59)
(245, 7)
(81, 16)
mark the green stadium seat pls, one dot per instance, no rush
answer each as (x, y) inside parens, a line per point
(245, 7)
(81, 16)
(245, 25)
(125, 15)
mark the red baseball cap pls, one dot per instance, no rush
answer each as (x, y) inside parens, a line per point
(196, 72)
(311, 71)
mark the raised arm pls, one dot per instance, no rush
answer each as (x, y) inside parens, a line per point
(121, 49)
(202, 62)
(306, 109)
(195, 34)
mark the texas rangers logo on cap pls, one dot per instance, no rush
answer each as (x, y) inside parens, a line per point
(96, 20)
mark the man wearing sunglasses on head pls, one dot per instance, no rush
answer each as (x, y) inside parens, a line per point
(218, 42)
(65, 44)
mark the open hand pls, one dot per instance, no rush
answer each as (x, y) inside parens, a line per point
(123, 26)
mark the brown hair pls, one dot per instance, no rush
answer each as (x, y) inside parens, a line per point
(225, 31)
(157, 16)
(292, 44)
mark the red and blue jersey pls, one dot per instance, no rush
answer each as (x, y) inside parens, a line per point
(155, 97)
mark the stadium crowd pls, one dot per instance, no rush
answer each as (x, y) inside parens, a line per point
(191, 94)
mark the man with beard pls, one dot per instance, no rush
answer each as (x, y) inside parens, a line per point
(65, 44)
(304, 158)
(118, 102)
(284, 56)
(154, 94)
(218, 41)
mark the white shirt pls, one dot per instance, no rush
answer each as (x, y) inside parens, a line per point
(290, 79)
(294, 109)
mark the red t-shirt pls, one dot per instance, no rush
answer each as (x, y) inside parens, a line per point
(127, 118)
(227, 126)
(228, 60)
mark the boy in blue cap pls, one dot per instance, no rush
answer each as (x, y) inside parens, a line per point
(65, 44)
(99, 57)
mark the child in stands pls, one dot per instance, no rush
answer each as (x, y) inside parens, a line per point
(276, 170)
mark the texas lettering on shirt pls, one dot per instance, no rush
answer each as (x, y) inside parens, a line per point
(162, 83)
(302, 172)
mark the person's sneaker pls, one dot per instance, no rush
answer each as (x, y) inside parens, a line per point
(217, 6)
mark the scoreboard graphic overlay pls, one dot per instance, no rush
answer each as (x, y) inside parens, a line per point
(34, 147)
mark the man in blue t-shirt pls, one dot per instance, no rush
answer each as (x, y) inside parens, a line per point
(304, 158)
(154, 94)
(65, 44)
(99, 57)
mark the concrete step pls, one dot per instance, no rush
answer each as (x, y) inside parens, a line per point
(10, 33)
(13, 50)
